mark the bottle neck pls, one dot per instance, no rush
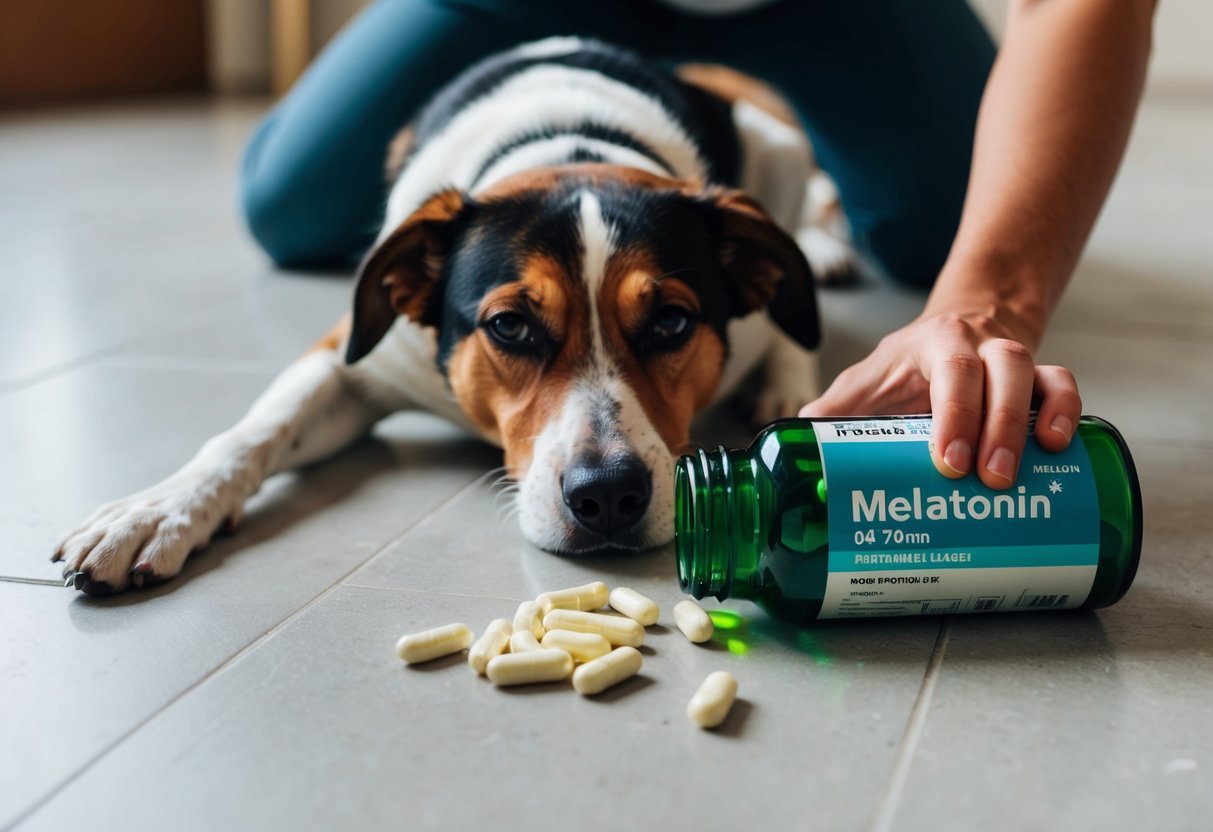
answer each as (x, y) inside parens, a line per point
(716, 528)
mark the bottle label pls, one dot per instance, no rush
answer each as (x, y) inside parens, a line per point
(906, 540)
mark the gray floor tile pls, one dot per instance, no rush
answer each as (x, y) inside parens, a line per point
(144, 233)
(1089, 721)
(1151, 389)
(98, 433)
(81, 673)
(322, 727)
(275, 318)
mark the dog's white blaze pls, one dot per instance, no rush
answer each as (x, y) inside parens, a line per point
(597, 240)
(558, 96)
(599, 385)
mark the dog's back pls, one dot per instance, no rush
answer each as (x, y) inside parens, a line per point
(562, 101)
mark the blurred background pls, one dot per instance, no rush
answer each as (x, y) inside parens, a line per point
(58, 51)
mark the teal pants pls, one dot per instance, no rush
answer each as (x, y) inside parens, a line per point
(888, 91)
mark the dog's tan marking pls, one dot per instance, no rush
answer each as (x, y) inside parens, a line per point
(398, 153)
(335, 338)
(673, 386)
(512, 398)
(589, 173)
(734, 86)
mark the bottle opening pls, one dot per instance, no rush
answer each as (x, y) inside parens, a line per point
(705, 534)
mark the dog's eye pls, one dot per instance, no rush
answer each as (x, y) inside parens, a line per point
(671, 324)
(510, 328)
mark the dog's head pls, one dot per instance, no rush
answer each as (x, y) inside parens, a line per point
(581, 321)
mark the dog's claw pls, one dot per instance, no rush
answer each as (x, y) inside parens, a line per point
(80, 579)
(96, 588)
(69, 577)
(58, 556)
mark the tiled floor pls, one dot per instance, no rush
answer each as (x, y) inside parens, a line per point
(260, 690)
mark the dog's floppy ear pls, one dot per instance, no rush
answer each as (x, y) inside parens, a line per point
(400, 275)
(764, 266)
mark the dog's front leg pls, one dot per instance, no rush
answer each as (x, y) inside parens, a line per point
(792, 380)
(311, 410)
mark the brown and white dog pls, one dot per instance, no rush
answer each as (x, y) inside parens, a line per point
(568, 269)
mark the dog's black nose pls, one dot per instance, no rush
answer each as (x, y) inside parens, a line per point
(607, 496)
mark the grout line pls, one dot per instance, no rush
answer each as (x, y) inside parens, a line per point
(886, 805)
(186, 363)
(15, 579)
(420, 524)
(432, 592)
(231, 661)
(117, 348)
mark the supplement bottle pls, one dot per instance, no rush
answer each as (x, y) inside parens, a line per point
(830, 518)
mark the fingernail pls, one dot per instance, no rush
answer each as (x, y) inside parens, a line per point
(1002, 464)
(958, 456)
(1062, 425)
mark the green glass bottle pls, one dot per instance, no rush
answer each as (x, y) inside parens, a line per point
(833, 518)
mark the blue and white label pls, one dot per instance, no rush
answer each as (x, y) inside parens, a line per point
(906, 540)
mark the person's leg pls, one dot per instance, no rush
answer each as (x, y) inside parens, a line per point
(313, 176)
(313, 184)
(889, 92)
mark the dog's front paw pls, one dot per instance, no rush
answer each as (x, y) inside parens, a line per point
(832, 258)
(792, 380)
(145, 538)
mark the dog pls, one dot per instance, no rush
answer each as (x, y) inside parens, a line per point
(580, 252)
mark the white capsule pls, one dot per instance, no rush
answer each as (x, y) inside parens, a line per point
(493, 642)
(695, 624)
(711, 703)
(609, 670)
(431, 644)
(529, 617)
(618, 631)
(583, 647)
(592, 596)
(523, 641)
(635, 606)
(529, 668)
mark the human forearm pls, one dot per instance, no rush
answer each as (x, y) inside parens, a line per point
(1053, 126)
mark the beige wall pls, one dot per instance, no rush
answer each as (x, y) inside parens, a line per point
(1182, 57)
(239, 49)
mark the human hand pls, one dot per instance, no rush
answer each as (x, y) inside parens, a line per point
(978, 379)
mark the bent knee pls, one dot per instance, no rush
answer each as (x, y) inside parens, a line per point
(909, 251)
(297, 222)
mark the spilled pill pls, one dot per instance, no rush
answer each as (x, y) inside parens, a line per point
(583, 647)
(492, 643)
(523, 641)
(693, 621)
(431, 644)
(601, 673)
(635, 606)
(529, 617)
(592, 596)
(618, 631)
(544, 665)
(711, 703)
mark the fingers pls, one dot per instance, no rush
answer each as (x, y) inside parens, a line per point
(957, 382)
(1060, 407)
(1010, 377)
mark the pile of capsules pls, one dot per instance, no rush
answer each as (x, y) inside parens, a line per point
(560, 631)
